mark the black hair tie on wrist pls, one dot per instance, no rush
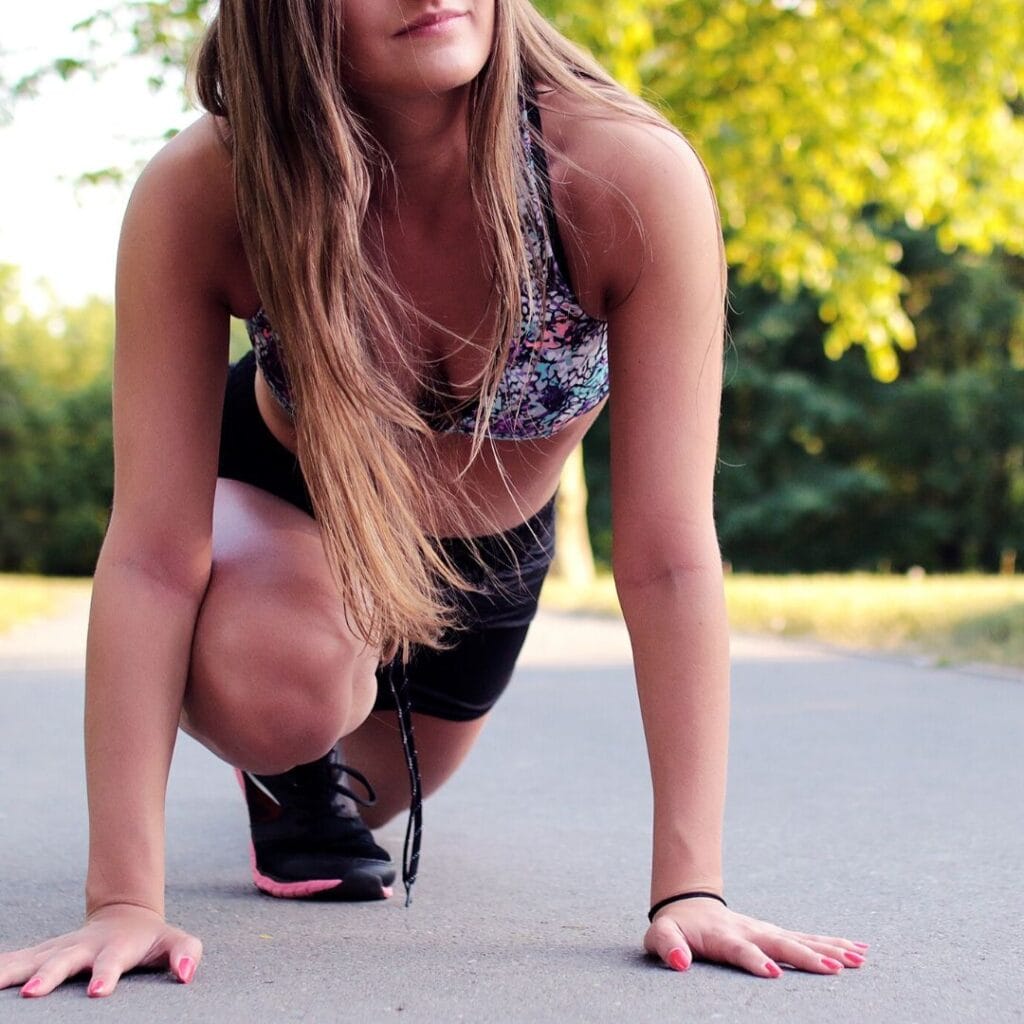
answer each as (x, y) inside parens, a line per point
(682, 896)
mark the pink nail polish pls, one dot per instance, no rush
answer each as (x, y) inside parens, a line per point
(861, 945)
(30, 986)
(773, 969)
(677, 958)
(855, 958)
(95, 988)
(186, 968)
(832, 965)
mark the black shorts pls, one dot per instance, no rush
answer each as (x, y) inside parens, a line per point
(459, 684)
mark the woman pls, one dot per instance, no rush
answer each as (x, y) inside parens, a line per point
(451, 234)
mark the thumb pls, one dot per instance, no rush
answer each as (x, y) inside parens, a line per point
(185, 953)
(664, 939)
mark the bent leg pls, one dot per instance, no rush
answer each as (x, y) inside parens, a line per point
(276, 674)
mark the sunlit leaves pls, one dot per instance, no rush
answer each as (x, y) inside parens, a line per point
(806, 112)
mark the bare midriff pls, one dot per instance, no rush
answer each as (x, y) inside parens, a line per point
(508, 482)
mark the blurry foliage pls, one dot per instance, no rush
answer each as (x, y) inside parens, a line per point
(164, 33)
(56, 472)
(56, 440)
(808, 111)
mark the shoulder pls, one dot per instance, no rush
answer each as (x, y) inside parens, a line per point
(184, 203)
(634, 191)
(195, 165)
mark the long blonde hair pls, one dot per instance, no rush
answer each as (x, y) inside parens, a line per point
(305, 166)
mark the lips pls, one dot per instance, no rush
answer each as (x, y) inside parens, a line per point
(429, 19)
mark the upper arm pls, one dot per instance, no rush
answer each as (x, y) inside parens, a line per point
(170, 359)
(664, 279)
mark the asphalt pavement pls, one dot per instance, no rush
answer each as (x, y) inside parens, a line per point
(868, 797)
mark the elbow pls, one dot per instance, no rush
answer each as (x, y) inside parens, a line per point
(665, 558)
(644, 574)
(181, 567)
(672, 592)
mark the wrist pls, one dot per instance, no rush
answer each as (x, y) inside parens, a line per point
(685, 860)
(94, 907)
(662, 889)
(99, 895)
(680, 897)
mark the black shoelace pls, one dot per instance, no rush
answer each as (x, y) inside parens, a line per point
(399, 682)
(308, 797)
(306, 784)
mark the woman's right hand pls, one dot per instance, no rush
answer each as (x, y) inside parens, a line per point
(113, 940)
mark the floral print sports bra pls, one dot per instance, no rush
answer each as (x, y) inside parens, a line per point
(557, 366)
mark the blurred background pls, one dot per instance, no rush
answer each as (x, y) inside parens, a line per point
(868, 159)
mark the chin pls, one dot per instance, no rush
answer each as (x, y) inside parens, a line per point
(444, 80)
(425, 78)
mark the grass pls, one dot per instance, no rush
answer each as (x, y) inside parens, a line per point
(29, 597)
(955, 619)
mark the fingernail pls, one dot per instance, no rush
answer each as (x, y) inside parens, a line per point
(677, 958)
(30, 986)
(773, 969)
(186, 968)
(855, 958)
(832, 965)
(861, 945)
(95, 988)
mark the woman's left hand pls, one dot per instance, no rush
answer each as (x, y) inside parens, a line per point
(704, 929)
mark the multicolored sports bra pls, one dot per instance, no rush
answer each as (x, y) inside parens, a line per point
(557, 365)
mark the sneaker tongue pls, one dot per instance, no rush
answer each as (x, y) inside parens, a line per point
(314, 785)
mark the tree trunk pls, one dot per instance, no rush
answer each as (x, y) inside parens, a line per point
(574, 559)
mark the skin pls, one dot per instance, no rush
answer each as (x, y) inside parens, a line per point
(229, 584)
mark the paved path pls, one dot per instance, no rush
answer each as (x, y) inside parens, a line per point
(868, 797)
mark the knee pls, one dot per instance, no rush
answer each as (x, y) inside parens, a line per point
(274, 697)
(290, 733)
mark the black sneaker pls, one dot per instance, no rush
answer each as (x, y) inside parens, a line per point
(308, 840)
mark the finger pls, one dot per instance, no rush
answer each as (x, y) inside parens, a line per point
(18, 965)
(186, 952)
(732, 949)
(665, 940)
(56, 969)
(17, 969)
(110, 964)
(831, 940)
(847, 957)
(799, 954)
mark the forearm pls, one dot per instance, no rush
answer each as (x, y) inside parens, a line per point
(679, 634)
(139, 643)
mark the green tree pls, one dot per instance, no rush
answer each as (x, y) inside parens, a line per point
(807, 111)
(825, 467)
